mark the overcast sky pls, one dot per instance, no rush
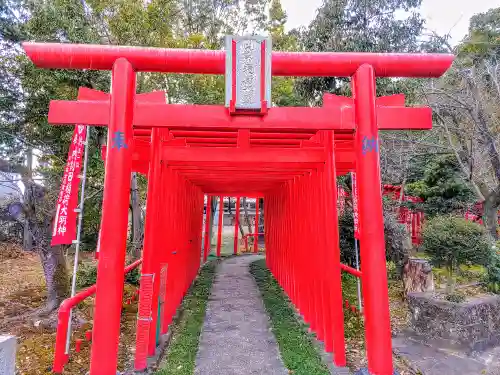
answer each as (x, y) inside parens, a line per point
(442, 16)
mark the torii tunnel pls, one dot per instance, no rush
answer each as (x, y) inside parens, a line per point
(289, 156)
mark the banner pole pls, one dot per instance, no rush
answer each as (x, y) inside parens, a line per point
(360, 302)
(354, 196)
(78, 233)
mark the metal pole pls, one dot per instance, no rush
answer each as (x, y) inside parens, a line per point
(360, 301)
(355, 208)
(78, 234)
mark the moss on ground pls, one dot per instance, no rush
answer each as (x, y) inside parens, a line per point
(298, 352)
(181, 353)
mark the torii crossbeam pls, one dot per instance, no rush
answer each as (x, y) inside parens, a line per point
(291, 156)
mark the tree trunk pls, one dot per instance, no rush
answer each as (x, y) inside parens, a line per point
(56, 276)
(242, 231)
(54, 266)
(491, 214)
(27, 237)
(417, 276)
(450, 282)
(136, 218)
(245, 214)
(213, 202)
(39, 214)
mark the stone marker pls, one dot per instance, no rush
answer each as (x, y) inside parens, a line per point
(7, 355)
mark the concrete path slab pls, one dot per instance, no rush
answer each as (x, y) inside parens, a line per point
(236, 337)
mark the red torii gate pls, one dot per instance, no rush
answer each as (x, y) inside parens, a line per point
(288, 155)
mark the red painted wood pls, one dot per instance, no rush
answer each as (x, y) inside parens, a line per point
(256, 230)
(372, 243)
(288, 155)
(114, 223)
(236, 226)
(219, 229)
(176, 116)
(339, 64)
(208, 216)
(179, 154)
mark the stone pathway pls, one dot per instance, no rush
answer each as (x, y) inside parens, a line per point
(236, 337)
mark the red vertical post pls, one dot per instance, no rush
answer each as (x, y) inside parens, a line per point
(333, 254)
(167, 204)
(208, 216)
(322, 258)
(313, 271)
(377, 318)
(236, 225)
(114, 222)
(148, 266)
(199, 209)
(256, 240)
(156, 269)
(219, 229)
(158, 257)
(269, 235)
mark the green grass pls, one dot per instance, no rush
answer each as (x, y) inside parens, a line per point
(350, 288)
(353, 323)
(297, 349)
(466, 274)
(181, 353)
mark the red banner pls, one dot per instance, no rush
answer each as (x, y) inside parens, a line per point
(355, 205)
(341, 196)
(64, 227)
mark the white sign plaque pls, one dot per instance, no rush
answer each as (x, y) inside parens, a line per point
(244, 58)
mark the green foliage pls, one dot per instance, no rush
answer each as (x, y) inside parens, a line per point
(181, 353)
(483, 40)
(453, 241)
(296, 347)
(455, 297)
(86, 275)
(493, 272)
(354, 326)
(133, 277)
(417, 167)
(397, 241)
(346, 237)
(442, 187)
(360, 26)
